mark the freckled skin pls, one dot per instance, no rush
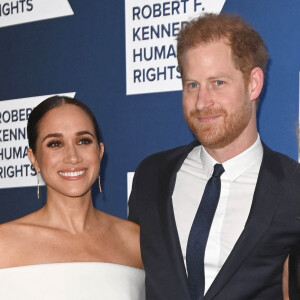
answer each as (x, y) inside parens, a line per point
(219, 106)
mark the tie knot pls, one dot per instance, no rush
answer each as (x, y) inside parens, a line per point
(218, 170)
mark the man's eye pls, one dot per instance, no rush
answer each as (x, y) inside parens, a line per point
(194, 85)
(54, 143)
(84, 141)
(219, 82)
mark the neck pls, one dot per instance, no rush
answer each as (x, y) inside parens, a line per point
(233, 149)
(68, 213)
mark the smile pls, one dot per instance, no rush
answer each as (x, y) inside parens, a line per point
(72, 174)
(208, 119)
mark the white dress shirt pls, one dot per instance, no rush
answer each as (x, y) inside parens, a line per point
(237, 188)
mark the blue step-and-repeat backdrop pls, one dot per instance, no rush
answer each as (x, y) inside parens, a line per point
(119, 57)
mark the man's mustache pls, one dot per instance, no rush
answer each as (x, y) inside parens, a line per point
(210, 112)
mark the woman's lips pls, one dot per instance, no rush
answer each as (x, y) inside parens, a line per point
(72, 174)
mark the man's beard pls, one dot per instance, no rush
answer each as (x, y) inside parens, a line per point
(218, 134)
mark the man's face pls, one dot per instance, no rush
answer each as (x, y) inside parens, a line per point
(216, 100)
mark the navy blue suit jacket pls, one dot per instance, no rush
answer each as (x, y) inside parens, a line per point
(253, 269)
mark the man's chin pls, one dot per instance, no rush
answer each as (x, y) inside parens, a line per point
(213, 142)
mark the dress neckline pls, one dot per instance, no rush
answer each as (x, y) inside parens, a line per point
(76, 263)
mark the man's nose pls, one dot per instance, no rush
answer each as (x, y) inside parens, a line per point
(204, 98)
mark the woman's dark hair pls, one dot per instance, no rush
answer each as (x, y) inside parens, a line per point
(39, 112)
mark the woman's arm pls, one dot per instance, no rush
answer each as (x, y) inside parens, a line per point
(285, 280)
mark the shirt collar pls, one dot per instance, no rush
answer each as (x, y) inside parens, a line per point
(237, 165)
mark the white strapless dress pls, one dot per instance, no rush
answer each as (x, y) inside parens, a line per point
(74, 281)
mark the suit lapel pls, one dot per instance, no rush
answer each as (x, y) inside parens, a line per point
(267, 195)
(167, 218)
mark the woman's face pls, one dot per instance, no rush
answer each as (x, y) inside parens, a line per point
(67, 153)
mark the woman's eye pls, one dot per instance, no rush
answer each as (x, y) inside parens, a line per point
(53, 144)
(85, 141)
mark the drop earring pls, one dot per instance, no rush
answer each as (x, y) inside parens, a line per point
(99, 184)
(38, 185)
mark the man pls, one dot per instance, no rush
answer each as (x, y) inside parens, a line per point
(240, 250)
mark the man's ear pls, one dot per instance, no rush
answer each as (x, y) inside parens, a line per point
(33, 160)
(256, 82)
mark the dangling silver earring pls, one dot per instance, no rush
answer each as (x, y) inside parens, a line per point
(99, 184)
(38, 185)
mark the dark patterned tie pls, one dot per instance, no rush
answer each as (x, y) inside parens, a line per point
(199, 233)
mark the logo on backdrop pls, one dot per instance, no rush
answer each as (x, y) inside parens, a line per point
(15, 167)
(151, 30)
(24, 11)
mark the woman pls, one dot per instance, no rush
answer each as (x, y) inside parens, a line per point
(291, 275)
(68, 249)
(285, 280)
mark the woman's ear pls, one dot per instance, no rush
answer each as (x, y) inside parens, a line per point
(33, 160)
(101, 150)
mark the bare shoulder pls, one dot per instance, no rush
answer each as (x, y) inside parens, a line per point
(11, 230)
(14, 236)
(121, 226)
(129, 230)
(126, 235)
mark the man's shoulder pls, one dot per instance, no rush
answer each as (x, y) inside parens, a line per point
(280, 162)
(271, 154)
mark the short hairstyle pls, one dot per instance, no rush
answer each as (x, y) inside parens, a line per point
(248, 48)
(40, 111)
